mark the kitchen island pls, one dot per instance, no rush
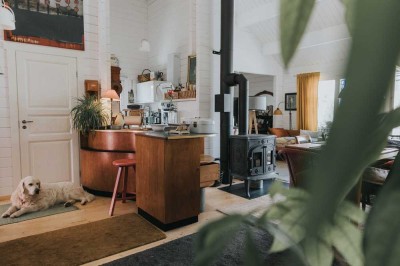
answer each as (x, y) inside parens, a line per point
(96, 157)
(168, 177)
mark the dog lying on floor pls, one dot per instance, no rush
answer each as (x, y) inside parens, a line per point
(31, 196)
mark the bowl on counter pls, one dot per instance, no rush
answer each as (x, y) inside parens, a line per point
(158, 127)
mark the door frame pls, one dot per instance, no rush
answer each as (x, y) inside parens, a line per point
(11, 53)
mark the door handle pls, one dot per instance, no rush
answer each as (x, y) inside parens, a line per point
(25, 121)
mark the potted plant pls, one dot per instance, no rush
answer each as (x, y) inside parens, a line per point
(87, 115)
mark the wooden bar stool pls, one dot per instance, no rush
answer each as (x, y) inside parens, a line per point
(121, 164)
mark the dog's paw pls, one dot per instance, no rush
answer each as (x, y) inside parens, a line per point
(5, 215)
(67, 204)
(14, 215)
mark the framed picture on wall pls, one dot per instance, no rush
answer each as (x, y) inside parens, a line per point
(290, 101)
(191, 79)
(48, 22)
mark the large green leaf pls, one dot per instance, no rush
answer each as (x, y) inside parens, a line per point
(293, 21)
(346, 238)
(382, 231)
(356, 136)
(317, 252)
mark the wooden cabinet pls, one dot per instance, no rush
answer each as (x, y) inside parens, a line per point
(92, 87)
(116, 79)
(168, 179)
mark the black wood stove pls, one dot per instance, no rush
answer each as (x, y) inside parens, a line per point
(252, 157)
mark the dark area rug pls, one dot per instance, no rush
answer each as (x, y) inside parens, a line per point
(240, 190)
(180, 252)
(82, 243)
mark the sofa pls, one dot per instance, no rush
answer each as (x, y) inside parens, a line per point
(284, 137)
(287, 136)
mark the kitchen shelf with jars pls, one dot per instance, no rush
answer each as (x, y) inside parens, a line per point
(180, 94)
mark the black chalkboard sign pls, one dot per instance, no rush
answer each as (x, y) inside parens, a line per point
(56, 23)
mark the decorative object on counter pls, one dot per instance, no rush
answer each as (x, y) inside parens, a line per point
(88, 115)
(144, 76)
(158, 127)
(112, 95)
(191, 76)
(256, 103)
(92, 87)
(200, 125)
(119, 120)
(114, 60)
(144, 45)
(180, 129)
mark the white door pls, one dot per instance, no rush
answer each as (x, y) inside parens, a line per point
(47, 86)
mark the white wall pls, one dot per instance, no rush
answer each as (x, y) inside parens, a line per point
(128, 26)
(89, 62)
(248, 56)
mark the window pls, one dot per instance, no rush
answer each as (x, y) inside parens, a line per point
(326, 102)
(396, 97)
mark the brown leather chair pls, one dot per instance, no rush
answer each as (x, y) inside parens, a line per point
(301, 161)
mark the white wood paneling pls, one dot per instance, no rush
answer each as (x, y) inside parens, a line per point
(88, 68)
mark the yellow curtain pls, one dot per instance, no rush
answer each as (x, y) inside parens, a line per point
(307, 100)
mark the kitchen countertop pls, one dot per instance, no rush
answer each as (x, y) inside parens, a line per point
(124, 130)
(163, 135)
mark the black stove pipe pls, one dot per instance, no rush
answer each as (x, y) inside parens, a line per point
(227, 16)
(240, 79)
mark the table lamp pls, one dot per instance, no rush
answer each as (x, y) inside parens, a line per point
(112, 95)
(256, 103)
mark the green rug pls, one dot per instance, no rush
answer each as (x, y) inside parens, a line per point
(80, 244)
(27, 216)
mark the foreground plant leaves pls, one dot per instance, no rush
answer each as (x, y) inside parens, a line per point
(295, 15)
(358, 134)
(342, 232)
(382, 231)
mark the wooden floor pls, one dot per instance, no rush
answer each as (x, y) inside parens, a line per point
(98, 209)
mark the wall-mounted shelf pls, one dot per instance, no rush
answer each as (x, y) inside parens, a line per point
(181, 100)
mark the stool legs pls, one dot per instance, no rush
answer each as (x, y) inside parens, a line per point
(124, 188)
(125, 185)
(114, 196)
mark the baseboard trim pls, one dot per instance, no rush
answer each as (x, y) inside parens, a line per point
(6, 197)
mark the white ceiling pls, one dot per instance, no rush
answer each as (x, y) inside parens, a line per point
(326, 38)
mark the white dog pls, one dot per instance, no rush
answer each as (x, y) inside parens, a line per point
(31, 196)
